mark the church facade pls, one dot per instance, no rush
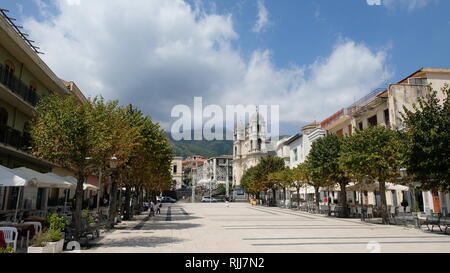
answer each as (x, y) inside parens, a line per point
(250, 145)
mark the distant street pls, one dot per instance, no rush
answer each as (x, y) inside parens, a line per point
(204, 227)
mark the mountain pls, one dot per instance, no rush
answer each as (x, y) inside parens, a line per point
(185, 148)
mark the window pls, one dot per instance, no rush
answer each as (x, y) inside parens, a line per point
(417, 81)
(259, 143)
(174, 168)
(386, 117)
(372, 121)
(3, 117)
(295, 154)
(9, 72)
(360, 126)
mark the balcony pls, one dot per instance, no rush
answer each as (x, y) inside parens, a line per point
(14, 138)
(18, 87)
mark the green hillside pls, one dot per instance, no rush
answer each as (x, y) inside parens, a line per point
(185, 148)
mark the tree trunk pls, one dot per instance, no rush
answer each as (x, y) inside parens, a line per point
(127, 212)
(384, 212)
(329, 203)
(316, 192)
(284, 194)
(78, 205)
(298, 198)
(343, 200)
(274, 196)
(113, 202)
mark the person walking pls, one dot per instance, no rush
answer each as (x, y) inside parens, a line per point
(152, 209)
(158, 207)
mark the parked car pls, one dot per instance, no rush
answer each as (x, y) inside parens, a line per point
(166, 199)
(209, 199)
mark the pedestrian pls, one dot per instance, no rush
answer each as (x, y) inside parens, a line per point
(152, 209)
(158, 207)
(227, 205)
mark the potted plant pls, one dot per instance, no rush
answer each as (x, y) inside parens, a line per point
(56, 225)
(56, 240)
(40, 243)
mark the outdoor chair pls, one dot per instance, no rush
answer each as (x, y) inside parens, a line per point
(37, 229)
(433, 220)
(11, 235)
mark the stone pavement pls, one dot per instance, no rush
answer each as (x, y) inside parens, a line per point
(241, 228)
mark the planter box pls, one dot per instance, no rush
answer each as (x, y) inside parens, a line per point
(46, 249)
(57, 247)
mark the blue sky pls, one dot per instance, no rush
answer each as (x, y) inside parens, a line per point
(301, 57)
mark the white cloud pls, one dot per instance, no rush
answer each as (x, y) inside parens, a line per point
(156, 54)
(409, 5)
(262, 21)
(351, 71)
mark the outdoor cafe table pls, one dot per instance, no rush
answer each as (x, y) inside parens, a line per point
(24, 230)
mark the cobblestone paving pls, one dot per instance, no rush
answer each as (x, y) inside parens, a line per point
(204, 228)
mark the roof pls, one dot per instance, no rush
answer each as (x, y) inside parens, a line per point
(293, 138)
(426, 70)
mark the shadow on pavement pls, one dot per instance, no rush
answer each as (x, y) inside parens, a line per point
(136, 241)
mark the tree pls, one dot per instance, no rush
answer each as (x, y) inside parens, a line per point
(373, 154)
(427, 149)
(248, 182)
(78, 137)
(300, 177)
(266, 166)
(316, 178)
(324, 159)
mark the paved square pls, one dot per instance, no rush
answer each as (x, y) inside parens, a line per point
(242, 228)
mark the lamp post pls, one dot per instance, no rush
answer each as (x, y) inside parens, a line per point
(113, 194)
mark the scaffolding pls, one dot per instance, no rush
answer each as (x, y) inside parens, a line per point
(18, 30)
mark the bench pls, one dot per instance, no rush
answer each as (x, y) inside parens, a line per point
(444, 222)
(433, 220)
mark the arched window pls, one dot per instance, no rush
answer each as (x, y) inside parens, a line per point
(259, 143)
(3, 117)
(9, 72)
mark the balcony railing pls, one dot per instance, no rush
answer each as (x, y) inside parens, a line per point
(18, 87)
(14, 138)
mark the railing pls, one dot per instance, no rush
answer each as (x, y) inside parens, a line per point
(367, 98)
(15, 138)
(18, 87)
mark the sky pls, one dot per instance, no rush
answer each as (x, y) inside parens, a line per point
(310, 57)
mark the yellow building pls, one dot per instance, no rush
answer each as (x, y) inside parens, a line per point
(24, 80)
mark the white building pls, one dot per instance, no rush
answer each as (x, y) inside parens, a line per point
(250, 145)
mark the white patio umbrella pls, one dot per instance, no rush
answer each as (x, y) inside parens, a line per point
(9, 178)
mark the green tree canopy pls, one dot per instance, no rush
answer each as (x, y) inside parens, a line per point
(427, 149)
(373, 155)
(324, 162)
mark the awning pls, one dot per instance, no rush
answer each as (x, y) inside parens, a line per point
(376, 187)
(42, 180)
(73, 181)
(8, 178)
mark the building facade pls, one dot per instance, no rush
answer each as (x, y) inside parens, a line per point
(249, 146)
(383, 107)
(177, 173)
(24, 80)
